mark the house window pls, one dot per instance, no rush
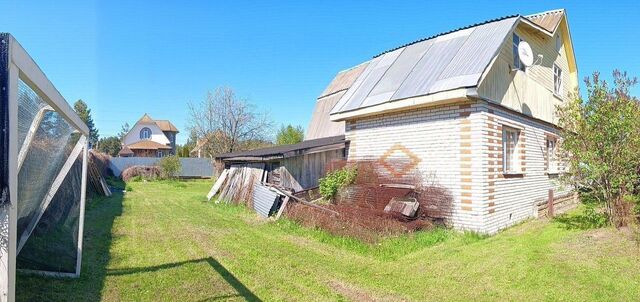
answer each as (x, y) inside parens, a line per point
(557, 80)
(552, 157)
(516, 58)
(160, 154)
(558, 43)
(145, 133)
(510, 138)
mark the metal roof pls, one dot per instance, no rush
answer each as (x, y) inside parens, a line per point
(320, 124)
(284, 150)
(447, 61)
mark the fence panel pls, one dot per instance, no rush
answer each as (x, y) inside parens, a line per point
(191, 167)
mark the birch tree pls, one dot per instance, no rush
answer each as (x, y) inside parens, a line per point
(224, 122)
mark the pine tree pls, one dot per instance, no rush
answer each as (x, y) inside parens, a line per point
(84, 112)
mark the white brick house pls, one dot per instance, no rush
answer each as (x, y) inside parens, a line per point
(475, 118)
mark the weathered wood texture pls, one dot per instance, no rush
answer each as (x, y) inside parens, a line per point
(303, 172)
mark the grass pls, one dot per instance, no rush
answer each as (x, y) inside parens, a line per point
(162, 241)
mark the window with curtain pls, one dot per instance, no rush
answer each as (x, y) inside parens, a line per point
(510, 138)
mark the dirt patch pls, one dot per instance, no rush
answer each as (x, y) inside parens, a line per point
(597, 244)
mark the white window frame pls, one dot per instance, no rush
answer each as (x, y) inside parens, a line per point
(510, 161)
(557, 80)
(516, 57)
(159, 153)
(558, 42)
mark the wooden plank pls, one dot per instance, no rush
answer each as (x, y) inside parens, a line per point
(282, 207)
(217, 184)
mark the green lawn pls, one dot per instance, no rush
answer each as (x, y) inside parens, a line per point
(164, 242)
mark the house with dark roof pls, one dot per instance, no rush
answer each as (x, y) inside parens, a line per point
(150, 138)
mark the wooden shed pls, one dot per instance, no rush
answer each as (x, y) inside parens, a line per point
(296, 167)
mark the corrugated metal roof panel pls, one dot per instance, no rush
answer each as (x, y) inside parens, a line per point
(431, 66)
(356, 85)
(376, 72)
(343, 80)
(263, 200)
(397, 73)
(448, 61)
(476, 53)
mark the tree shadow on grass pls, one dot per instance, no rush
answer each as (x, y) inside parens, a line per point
(241, 289)
(100, 215)
(587, 219)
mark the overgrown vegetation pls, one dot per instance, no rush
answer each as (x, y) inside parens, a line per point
(162, 243)
(336, 180)
(170, 166)
(601, 144)
(288, 135)
(141, 173)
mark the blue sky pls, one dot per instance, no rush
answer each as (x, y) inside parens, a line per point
(125, 58)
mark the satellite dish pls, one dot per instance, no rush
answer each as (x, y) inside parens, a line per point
(525, 53)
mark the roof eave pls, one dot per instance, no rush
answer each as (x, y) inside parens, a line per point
(428, 100)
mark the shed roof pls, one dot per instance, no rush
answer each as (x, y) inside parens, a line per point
(284, 151)
(147, 145)
(446, 61)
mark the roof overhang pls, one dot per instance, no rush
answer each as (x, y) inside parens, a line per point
(439, 98)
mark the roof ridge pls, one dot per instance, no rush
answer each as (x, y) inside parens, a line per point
(559, 10)
(449, 32)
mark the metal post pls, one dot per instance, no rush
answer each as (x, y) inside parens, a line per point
(83, 196)
(13, 178)
(550, 211)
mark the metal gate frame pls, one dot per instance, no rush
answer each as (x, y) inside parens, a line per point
(15, 65)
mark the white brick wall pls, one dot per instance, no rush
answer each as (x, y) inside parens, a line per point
(453, 145)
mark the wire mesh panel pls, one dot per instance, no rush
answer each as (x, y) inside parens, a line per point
(53, 245)
(30, 105)
(51, 145)
(42, 172)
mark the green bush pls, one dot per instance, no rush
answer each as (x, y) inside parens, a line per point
(594, 218)
(336, 180)
(169, 167)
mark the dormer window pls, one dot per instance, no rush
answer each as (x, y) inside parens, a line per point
(516, 57)
(145, 133)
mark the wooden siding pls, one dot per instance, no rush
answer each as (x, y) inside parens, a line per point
(303, 172)
(531, 91)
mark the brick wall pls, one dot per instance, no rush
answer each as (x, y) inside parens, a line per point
(459, 147)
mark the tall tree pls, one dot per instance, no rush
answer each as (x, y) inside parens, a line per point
(84, 113)
(110, 145)
(289, 135)
(601, 145)
(123, 131)
(224, 122)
